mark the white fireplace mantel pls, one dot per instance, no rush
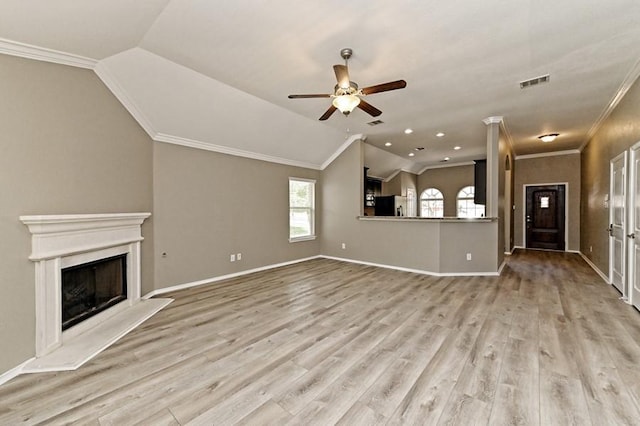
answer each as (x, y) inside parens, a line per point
(61, 241)
(63, 235)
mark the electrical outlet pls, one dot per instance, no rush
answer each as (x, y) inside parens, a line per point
(239, 256)
(232, 258)
(468, 256)
(590, 249)
(344, 246)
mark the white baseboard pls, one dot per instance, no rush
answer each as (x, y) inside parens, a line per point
(14, 372)
(502, 265)
(223, 277)
(595, 268)
(415, 271)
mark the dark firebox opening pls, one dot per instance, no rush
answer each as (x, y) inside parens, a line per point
(92, 287)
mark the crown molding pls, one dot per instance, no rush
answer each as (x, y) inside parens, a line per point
(444, 166)
(29, 51)
(548, 154)
(342, 148)
(497, 119)
(396, 173)
(507, 134)
(191, 143)
(626, 84)
(103, 72)
(112, 84)
(392, 175)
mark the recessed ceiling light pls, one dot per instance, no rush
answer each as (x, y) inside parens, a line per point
(411, 154)
(388, 144)
(408, 131)
(447, 158)
(457, 147)
(439, 134)
(549, 137)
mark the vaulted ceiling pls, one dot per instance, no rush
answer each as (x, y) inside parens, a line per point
(216, 75)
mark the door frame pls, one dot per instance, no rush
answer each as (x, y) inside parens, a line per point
(632, 225)
(625, 245)
(566, 210)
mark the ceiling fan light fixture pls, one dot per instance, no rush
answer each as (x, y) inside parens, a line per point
(549, 137)
(346, 103)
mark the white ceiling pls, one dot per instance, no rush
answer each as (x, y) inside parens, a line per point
(212, 73)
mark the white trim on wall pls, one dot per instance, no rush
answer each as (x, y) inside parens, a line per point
(548, 154)
(416, 271)
(444, 166)
(107, 78)
(626, 84)
(342, 148)
(206, 146)
(223, 277)
(14, 372)
(29, 51)
(103, 72)
(595, 268)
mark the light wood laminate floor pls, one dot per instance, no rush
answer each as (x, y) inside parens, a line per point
(326, 342)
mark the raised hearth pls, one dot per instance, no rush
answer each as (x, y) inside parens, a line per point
(65, 241)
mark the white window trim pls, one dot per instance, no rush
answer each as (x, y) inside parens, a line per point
(458, 199)
(313, 213)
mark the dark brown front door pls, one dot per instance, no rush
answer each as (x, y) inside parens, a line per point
(545, 217)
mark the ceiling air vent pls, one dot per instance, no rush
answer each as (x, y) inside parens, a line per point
(534, 81)
(375, 122)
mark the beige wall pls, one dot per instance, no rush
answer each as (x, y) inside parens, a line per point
(66, 146)
(209, 205)
(549, 170)
(619, 132)
(449, 181)
(400, 183)
(424, 245)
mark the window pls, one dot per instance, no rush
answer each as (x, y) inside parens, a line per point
(431, 203)
(301, 209)
(465, 205)
(411, 202)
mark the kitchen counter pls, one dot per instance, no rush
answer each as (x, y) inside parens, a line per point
(426, 219)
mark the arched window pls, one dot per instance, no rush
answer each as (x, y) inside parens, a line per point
(465, 205)
(431, 203)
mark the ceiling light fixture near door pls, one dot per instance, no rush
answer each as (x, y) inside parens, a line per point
(439, 134)
(548, 137)
(411, 154)
(408, 131)
(388, 144)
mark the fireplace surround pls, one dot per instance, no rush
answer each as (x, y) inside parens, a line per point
(65, 241)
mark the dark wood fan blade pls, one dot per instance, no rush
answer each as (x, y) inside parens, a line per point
(328, 113)
(368, 108)
(384, 87)
(309, 96)
(342, 75)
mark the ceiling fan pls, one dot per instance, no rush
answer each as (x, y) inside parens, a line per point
(346, 94)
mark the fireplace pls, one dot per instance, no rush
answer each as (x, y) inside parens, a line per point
(92, 287)
(87, 285)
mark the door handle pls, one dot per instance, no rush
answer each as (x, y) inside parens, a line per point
(610, 230)
(632, 236)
